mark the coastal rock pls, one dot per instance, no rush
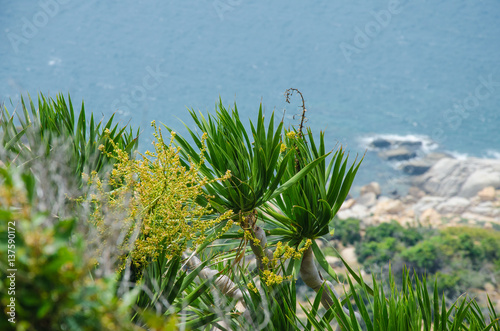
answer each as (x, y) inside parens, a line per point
(416, 168)
(389, 206)
(454, 205)
(398, 154)
(347, 204)
(434, 157)
(427, 203)
(416, 192)
(420, 166)
(485, 208)
(443, 179)
(394, 141)
(367, 199)
(479, 218)
(411, 144)
(357, 211)
(487, 194)
(372, 187)
(431, 217)
(444, 207)
(451, 177)
(380, 143)
(479, 179)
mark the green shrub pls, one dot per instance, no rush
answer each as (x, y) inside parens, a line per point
(408, 236)
(384, 242)
(51, 285)
(424, 257)
(377, 253)
(347, 231)
(449, 283)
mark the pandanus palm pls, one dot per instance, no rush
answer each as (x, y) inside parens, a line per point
(256, 162)
(256, 166)
(305, 211)
(292, 187)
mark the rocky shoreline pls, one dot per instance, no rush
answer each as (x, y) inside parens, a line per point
(444, 191)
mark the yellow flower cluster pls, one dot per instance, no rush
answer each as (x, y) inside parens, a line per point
(286, 252)
(252, 287)
(249, 236)
(291, 134)
(282, 253)
(271, 278)
(154, 196)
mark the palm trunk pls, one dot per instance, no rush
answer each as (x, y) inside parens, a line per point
(225, 285)
(222, 282)
(260, 251)
(312, 278)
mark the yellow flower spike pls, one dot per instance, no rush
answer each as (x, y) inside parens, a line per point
(256, 241)
(252, 288)
(282, 148)
(265, 260)
(272, 278)
(156, 195)
(291, 135)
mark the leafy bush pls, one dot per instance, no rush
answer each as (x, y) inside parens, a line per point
(407, 236)
(424, 257)
(377, 253)
(51, 283)
(384, 242)
(347, 231)
(479, 245)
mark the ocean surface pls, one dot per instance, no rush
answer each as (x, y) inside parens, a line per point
(417, 70)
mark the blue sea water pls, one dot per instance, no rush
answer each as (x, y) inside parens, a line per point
(421, 69)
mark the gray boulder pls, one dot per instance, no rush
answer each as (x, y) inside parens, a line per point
(420, 166)
(479, 179)
(411, 144)
(465, 178)
(368, 199)
(427, 203)
(372, 187)
(416, 168)
(380, 143)
(454, 205)
(398, 154)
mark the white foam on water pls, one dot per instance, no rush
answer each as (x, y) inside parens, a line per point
(427, 146)
(493, 154)
(53, 61)
(458, 155)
